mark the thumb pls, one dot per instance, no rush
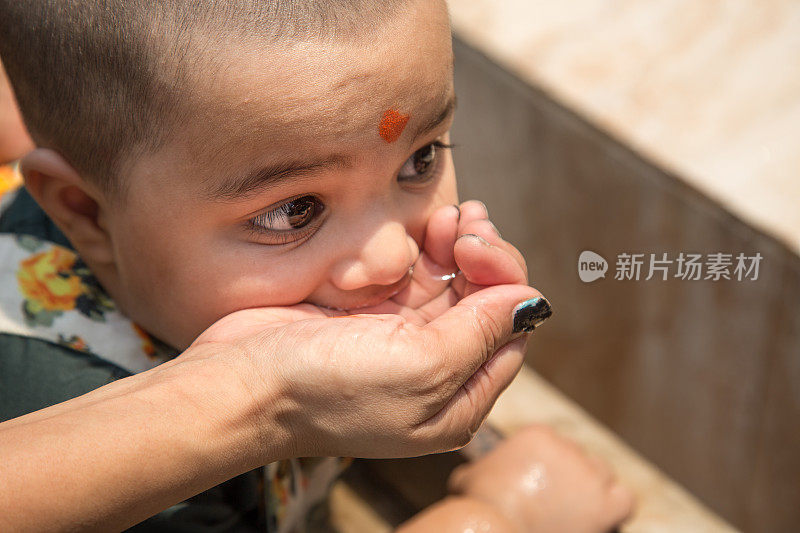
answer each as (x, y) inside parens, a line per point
(482, 343)
(478, 325)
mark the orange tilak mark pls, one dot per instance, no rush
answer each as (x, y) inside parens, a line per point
(392, 125)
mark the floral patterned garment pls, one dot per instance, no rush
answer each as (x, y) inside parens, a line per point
(48, 292)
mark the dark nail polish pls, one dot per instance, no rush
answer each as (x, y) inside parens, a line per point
(458, 218)
(531, 313)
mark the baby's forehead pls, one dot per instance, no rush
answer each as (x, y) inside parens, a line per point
(246, 101)
(326, 95)
(293, 99)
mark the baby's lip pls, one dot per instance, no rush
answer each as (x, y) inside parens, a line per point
(380, 297)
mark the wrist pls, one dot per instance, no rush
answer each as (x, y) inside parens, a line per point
(236, 410)
(125, 451)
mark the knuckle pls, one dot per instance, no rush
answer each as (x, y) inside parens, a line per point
(398, 338)
(394, 326)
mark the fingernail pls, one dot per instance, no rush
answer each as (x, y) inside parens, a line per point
(531, 313)
(495, 229)
(481, 239)
(458, 210)
(486, 209)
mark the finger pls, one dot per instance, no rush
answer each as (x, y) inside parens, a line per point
(471, 210)
(438, 305)
(487, 230)
(463, 414)
(440, 235)
(468, 333)
(389, 307)
(436, 264)
(428, 280)
(485, 264)
(475, 211)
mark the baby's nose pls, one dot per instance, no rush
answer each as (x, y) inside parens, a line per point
(382, 259)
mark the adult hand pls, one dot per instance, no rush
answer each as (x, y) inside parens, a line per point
(371, 385)
(545, 483)
(416, 374)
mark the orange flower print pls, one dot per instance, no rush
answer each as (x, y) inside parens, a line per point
(10, 179)
(74, 342)
(57, 280)
(46, 282)
(147, 343)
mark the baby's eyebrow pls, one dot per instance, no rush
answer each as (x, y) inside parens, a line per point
(447, 110)
(241, 187)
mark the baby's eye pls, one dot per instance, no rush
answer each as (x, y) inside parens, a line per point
(292, 215)
(422, 166)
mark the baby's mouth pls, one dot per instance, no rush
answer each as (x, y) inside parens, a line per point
(380, 297)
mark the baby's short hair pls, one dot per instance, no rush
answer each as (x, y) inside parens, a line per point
(100, 80)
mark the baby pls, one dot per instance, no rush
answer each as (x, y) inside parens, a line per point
(208, 157)
(268, 153)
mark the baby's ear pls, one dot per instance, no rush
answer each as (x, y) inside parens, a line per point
(75, 205)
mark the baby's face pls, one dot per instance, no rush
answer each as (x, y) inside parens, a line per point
(299, 181)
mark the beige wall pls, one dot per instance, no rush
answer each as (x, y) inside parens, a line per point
(701, 377)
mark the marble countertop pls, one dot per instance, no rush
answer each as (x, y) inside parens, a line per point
(707, 90)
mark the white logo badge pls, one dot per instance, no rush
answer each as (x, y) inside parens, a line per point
(591, 266)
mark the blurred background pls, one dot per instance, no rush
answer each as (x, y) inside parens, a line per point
(654, 127)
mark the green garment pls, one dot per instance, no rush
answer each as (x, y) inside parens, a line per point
(35, 374)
